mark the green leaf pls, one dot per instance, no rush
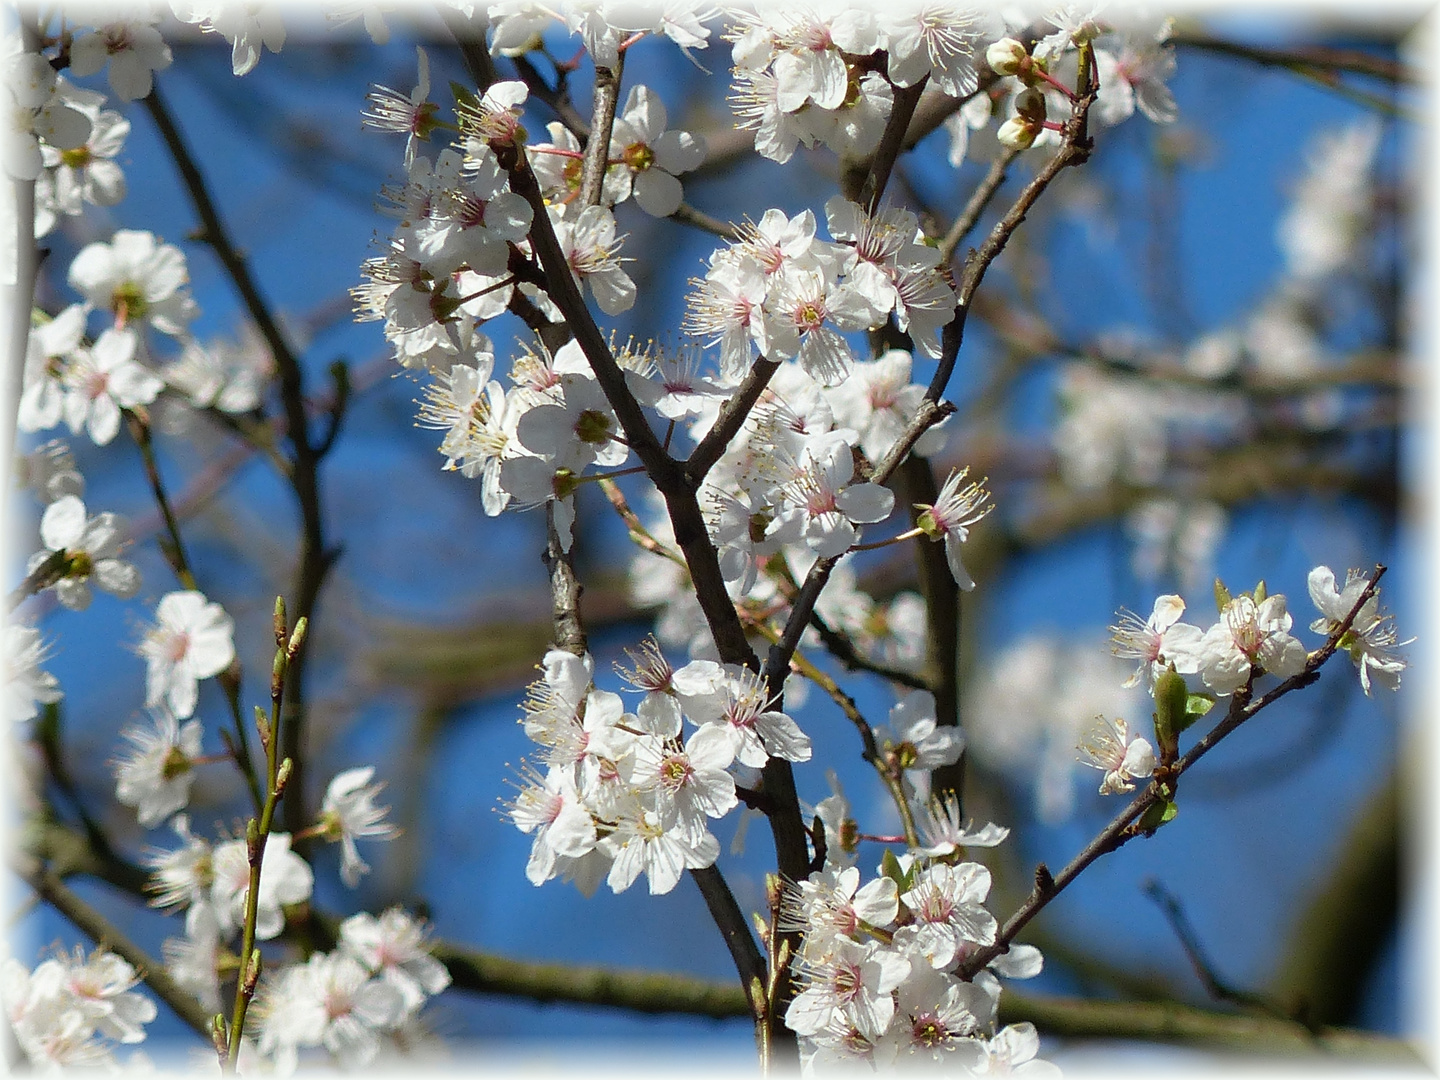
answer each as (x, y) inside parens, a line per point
(1196, 706)
(1222, 595)
(464, 98)
(1158, 814)
(890, 867)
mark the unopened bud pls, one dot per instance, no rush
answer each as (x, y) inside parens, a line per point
(280, 622)
(297, 639)
(262, 725)
(282, 775)
(1006, 56)
(1030, 106)
(252, 973)
(252, 841)
(219, 1038)
(1171, 697)
(1017, 134)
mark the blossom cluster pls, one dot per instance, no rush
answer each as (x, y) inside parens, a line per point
(877, 973)
(625, 793)
(72, 1010)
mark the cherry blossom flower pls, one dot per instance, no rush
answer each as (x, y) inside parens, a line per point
(955, 510)
(913, 739)
(26, 685)
(592, 250)
(1012, 1053)
(644, 841)
(133, 49)
(393, 946)
(941, 832)
(413, 114)
(348, 812)
(1248, 635)
(285, 878)
(155, 774)
(937, 1018)
(1145, 641)
(1124, 757)
(91, 546)
(35, 111)
(102, 380)
(192, 639)
(1371, 639)
(850, 987)
(654, 156)
(86, 173)
(47, 354)
(137, 279)
(551, 808)
(247, 27)
(948, 907)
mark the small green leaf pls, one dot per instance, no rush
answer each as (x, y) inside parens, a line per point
(464, 98)
(1196, 706)
(1222, 595)
(890, 867)
(1157, 814)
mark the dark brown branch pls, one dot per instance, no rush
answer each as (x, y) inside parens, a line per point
(732, 417)
(838, 644)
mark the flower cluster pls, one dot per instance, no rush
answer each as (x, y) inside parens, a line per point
(625, 793)
(72, 1010)
(877, 967)
(348, 1001)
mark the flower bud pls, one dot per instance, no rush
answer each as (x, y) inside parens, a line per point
(1006, 56)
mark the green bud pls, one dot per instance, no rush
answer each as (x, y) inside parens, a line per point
(1260, 592)
(1170, 719)
(297, 639)
(280, 623)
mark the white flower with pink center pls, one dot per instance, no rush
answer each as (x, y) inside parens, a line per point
(192, 639)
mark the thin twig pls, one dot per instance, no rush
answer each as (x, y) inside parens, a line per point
(1216, 987)
(174, 551)
(979, 199)
(602, 122)
(1121, 830)
(725, 230)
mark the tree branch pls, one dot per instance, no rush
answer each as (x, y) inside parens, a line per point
(1121, 830)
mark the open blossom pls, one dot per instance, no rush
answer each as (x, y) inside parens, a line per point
(60, 1013)
(393, 946)
(102, 380)
(348, 812)
(1146, 641)
(246, 26)
(948, 904)
(26, 684)
(155, 774)
(955, 510)
(192, 639)
(655, 156)
(133, 49)
(285, 878)
(1122, 755)
(137, 279)
(1248, 635)
(1371, 640)
(91, 546)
